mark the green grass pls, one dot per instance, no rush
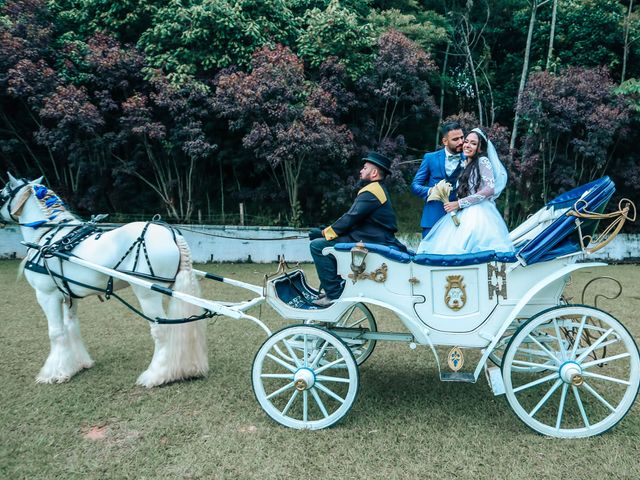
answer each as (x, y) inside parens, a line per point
(405, 423)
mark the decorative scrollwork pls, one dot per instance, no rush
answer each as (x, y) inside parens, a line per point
(379, 275)
(598, 295)
(499, 288)
(587, 337)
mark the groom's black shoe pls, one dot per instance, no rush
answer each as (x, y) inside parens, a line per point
(323, 302)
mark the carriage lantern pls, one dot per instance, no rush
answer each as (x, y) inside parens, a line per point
(358, 254)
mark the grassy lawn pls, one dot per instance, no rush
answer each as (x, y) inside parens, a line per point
(404, 424)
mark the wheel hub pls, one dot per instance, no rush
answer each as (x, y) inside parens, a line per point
(304, 379)
(570, 372)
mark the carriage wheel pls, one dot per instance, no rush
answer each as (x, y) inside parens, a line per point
(359, 316)
(497, 353)
(585, 375)
(313, 386)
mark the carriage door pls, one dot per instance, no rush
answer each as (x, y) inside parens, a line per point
(456, 298)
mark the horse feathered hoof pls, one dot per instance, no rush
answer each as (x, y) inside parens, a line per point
(53, 379)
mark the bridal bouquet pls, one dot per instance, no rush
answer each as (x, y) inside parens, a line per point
(440, 192)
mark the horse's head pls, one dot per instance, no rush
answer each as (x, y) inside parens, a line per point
(13, 196)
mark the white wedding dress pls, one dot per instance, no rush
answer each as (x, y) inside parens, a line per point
(481, 226)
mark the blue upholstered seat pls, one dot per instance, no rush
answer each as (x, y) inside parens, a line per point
(387, 252)
(430, 259)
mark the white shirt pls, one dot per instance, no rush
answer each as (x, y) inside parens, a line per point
(450, 163)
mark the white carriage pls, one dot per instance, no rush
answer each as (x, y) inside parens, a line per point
(566, 370)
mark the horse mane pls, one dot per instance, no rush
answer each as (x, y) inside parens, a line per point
(51, 204)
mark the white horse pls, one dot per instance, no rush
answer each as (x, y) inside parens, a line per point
(159, 254)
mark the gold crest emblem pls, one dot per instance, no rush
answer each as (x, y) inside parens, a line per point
(455, 359)
(455, 295)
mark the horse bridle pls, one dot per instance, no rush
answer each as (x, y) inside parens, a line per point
(7, 197)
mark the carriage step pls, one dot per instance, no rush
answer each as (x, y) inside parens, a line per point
(467, 377)
(494, 378)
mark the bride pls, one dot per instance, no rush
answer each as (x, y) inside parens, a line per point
(481, 225)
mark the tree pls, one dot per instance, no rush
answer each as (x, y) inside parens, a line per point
(535, 4)
(337, 32)
(396, 94)
(167, 142)
(574, 121)
(190, 40)
(286, 120)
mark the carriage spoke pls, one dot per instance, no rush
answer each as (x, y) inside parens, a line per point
(286, 376)
(333, 395)
(320, 354)
(544, 399)
(602, 345)
(576, 393)
(305, 405)
(605, 360)
(306, 352)
(544, 349)
(291, 368)
(295, 358)
(594, 345)
(324, 378)
(544, 366)
(319, 402)
(590, 389)
(532, 351)
(535, 382)
(563, 397)
(290, 402)
(357, 322)
(576, 343)
(563, 351)
(281, 390)
(329, 365)
(604, 377)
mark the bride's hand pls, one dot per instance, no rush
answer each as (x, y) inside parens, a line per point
(451, 206)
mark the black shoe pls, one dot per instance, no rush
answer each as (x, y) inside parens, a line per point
(323, 302)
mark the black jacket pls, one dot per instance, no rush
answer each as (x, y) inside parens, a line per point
(370, 219)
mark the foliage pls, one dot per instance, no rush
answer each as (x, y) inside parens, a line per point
(588, 33)
(108, 97)
(286, 120)
(336, 32)
(574, 121)
(427, 30)
(396, 94)
(189, 39)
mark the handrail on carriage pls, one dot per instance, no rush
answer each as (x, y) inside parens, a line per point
(626, 211)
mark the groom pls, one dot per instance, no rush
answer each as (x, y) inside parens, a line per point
(444, 164)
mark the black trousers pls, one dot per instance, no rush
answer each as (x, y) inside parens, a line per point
(327, 268)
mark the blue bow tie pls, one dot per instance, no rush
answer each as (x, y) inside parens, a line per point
(454, 156)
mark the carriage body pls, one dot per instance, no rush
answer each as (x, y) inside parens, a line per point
(464, 305)
(567, 370)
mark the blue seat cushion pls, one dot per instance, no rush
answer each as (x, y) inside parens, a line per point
(387, 252)
(464, 258)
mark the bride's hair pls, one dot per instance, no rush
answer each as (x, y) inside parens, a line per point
(469, 180)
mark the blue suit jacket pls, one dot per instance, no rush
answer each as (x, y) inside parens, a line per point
(431, 171)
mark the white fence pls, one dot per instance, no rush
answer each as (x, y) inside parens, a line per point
(266, 244)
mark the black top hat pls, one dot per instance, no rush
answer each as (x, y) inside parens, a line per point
(379, 160)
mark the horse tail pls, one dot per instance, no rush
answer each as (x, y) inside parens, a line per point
(189, 340)
(21, 267)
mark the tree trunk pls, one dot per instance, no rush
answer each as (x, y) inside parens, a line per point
(552, 34)
(523, 77)
(444, 72)
(627, 44)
